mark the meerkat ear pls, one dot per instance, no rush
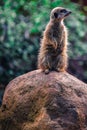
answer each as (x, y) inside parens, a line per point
(56, 15)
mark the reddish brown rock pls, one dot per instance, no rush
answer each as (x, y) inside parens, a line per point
(35, 101)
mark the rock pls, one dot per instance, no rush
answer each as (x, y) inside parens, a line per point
(35, 101)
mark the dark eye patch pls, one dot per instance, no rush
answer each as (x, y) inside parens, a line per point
(63, 11)
(56, 15)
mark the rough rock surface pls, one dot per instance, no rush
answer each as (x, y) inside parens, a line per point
(35, 101)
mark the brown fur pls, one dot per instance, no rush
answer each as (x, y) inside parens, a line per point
(53, 50)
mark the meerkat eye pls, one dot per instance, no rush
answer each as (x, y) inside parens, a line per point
(63, 11)
(56, 15)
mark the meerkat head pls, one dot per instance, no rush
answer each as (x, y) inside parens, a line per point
(59, 13)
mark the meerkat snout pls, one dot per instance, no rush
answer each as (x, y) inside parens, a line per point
(59, 13)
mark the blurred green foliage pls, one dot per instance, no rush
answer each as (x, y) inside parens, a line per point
(21, 25)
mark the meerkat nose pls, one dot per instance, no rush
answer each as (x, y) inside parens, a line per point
(68, 12)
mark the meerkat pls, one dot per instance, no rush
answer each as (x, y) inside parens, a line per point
(53, 49)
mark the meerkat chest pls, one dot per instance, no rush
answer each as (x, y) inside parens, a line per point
(58, 32)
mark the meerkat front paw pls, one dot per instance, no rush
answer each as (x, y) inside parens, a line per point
(55, 43)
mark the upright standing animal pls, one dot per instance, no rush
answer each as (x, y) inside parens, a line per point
(53, 49)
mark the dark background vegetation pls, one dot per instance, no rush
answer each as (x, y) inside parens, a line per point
(21, 25)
